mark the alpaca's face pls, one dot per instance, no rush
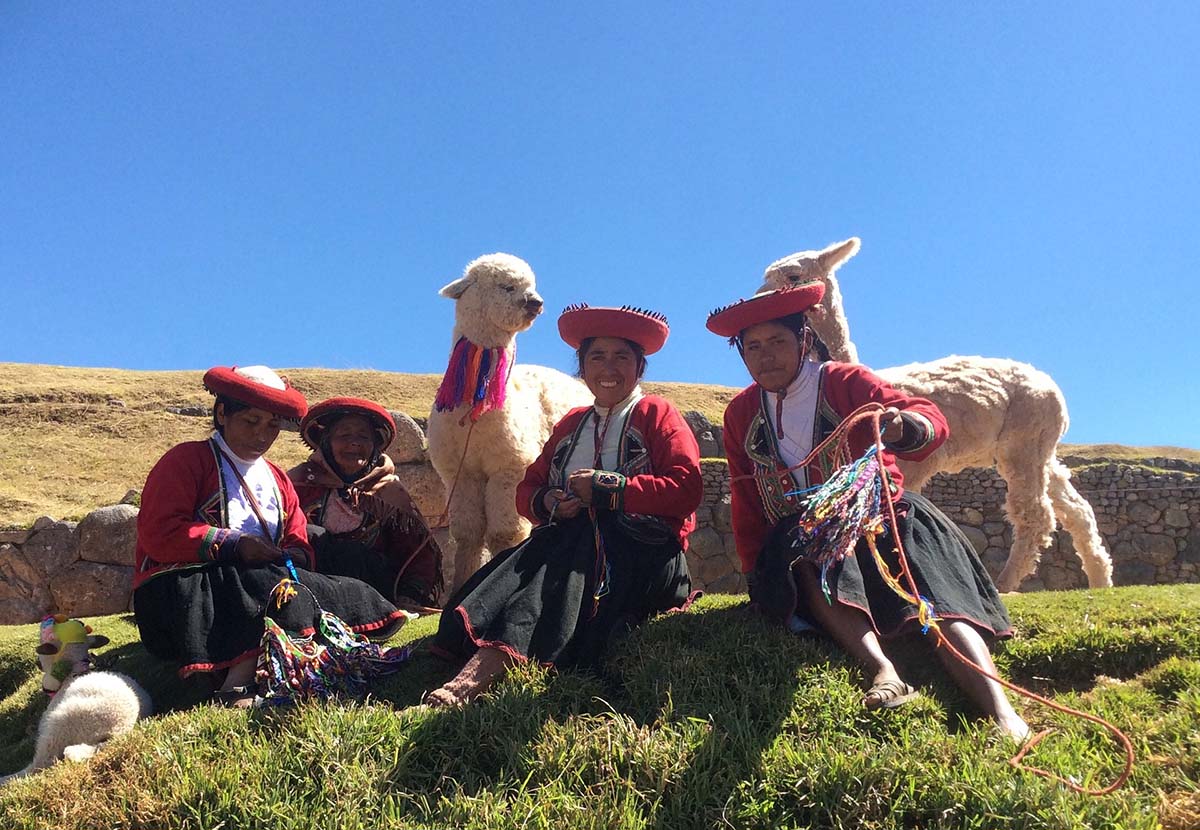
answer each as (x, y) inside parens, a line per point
(800, 268)
(498, 289)
(826, 318)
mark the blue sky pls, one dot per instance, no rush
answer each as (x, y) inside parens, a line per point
(189, 184)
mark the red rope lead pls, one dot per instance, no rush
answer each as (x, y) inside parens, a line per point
(874, 412)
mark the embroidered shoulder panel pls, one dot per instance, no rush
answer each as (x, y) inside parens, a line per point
(773, 484)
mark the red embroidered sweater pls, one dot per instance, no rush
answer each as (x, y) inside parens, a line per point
(752, 448)
(183, 519)
(658, 456)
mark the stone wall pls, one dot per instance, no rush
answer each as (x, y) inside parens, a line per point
(76, 568)
(1149, 517)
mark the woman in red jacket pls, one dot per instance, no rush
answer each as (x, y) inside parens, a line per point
(770, 427)
(612, 498)
(362, 522)
(219, 527)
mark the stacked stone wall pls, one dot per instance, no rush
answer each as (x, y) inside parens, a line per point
(1148, 515)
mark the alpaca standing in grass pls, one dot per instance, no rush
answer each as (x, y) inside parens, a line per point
(1001, 413)
(87, 707)
(506, 412)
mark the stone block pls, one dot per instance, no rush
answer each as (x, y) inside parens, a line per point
(13, 537)
(1174, 517)
(971, 516)
(722, 516)
(108, 535)
(706, 544)
(979, 541)
(732, 583)
(1133, 573)
(994, 528)
(23, 610)
(51, 547)
(88, 589)
(1154, 548)
(408, 446)
(713, 569)
(428, 493)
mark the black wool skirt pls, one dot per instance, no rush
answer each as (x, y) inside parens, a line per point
(943, 563)
(210, 617)
(539, 600)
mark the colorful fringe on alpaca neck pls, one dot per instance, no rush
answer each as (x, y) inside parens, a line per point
(475, 376)
(848, 506)
(334, 660)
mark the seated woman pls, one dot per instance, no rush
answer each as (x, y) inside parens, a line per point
(362, 522)
(219, 528)
(770, 427)
(612, 498)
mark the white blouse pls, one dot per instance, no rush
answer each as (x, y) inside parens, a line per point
(261, 482)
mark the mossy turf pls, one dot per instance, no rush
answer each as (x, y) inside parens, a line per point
(705, 719)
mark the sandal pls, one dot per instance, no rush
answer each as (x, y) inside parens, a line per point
(239, 697)
(888, 695)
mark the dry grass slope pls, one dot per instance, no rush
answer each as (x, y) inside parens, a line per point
(72, 439)
(66, 446)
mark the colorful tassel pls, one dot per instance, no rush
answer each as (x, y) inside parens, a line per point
(475, 376)
(835, 515)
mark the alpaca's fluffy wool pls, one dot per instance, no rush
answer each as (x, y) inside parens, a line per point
(86, 711)
(495, 300)
(1001, 413)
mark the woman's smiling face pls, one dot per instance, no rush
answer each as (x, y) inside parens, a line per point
(352, 443)
(771, 351)
(610, 370)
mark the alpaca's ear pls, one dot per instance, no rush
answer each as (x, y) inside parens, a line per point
(839, 252)
(96, 641)
(47, 649)
(457, 288)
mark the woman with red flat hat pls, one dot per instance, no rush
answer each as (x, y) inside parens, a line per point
(773, 425)
(362, 522)
(612, 498)
(219, 527)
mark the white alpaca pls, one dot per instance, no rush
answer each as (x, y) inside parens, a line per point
(495, 299)
(1001, 413)
(88, 707)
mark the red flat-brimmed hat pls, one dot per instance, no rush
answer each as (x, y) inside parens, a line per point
(259, 387)
(326, 413)
(731, 320)
(648, 329)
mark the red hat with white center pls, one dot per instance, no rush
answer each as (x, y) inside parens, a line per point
(648, 329)
(259, 387)
(731, 320)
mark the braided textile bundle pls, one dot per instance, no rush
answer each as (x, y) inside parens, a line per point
(847, 507)
(474, 375)
(334, 660)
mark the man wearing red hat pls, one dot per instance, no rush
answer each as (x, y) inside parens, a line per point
(770, 428)
(612, 498)
(362, 522)
(219, 527)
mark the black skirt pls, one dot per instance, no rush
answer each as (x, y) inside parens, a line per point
(943, 563)
(211, 617)
(538, 600)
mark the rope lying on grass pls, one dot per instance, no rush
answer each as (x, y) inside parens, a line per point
(851, 505)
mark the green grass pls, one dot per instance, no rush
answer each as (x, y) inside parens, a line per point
(704, 719)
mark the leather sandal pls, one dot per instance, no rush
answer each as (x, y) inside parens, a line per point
(888, 695)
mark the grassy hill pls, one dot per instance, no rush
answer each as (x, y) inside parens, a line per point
(72, 439)
(704, 719)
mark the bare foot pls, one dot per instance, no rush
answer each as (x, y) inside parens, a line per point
(1014, 727)
(476, 676)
